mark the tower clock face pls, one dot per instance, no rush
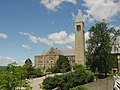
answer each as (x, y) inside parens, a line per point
(78, 27)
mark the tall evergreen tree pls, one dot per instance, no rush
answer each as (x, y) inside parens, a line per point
(29, 67)
(28, 63)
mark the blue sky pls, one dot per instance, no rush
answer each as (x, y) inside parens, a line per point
(27, 27)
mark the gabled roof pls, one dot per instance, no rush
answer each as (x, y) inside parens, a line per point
(56, 51)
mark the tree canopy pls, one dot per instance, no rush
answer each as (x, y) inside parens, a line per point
(99, 47)
(13, 77)
(29, 67)
(28, 62)
(62, 65)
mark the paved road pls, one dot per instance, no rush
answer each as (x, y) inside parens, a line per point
(35, 83)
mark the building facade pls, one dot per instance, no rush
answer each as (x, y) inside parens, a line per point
(49, 58)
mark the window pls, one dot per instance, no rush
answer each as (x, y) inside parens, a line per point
(78, 27)
(40, 61)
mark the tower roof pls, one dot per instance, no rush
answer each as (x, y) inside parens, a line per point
(79, 17)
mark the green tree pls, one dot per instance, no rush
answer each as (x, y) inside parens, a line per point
(31, 71)
(52, 70)
(62, 65)
(28, 63)
(99, 47)
(29, 67)
(12, 77)
(37, 73)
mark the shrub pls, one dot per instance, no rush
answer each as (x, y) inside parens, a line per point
(68, 80)
(79, 88)
(51, 82)
(78, 66)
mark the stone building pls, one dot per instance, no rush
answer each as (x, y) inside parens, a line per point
(49, 58)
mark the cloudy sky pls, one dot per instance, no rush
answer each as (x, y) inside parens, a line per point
(27, 27)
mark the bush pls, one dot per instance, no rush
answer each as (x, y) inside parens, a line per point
(51, 82)
(69, 80)
(36, 73)
(52, 69)
(78, 66)
(79, 88)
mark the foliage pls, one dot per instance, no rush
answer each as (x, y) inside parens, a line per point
(116, 34)
(62, 65)
(29, 67)
(52, 70)
(78, 66)
(79, 88)
(31, 71)
(28, 62)
(68, 80)
(99, 48)
(12, 77)
(28, 88)
(37, 73)
(52, 82)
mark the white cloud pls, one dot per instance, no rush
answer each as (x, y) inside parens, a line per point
(26, 46)
(55, 4)
(3, 36)
(58, 38)
(102, 9)
(4, 61)
(35, 39)
(31, 37)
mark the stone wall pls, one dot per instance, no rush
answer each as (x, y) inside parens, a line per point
(101, 84)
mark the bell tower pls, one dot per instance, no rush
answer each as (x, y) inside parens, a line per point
(79, 40)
